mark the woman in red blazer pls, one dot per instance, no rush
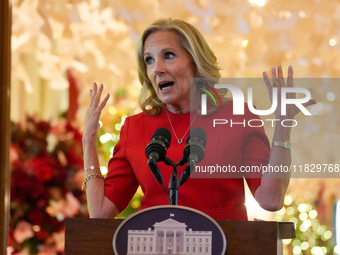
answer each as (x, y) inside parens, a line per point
(169, 54)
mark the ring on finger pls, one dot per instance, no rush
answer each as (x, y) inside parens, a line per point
(276, 84)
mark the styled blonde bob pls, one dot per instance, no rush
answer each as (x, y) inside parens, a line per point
(192, 40)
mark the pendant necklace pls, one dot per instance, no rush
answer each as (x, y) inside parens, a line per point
(180, 140)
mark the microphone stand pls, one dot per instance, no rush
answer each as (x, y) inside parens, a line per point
(173, 181)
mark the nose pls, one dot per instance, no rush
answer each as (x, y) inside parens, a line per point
(159, 67)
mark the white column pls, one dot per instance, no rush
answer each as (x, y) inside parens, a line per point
(164, 246)
(174, 242)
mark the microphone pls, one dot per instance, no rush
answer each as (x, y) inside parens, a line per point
(156, 149)
(193, 152)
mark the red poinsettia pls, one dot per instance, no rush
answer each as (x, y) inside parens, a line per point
(46, 169)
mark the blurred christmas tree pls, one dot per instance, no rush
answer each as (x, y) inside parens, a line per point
(314, 227)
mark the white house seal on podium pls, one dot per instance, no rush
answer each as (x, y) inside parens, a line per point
(169, 230)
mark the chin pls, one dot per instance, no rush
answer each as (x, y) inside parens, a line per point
(167, 100)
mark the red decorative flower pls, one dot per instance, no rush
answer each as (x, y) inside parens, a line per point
(44, 161)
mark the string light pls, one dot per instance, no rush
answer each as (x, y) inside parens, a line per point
(138, 111)
(118, 126)
(286, 241)
(337, 249)
(297, 250)
(330, 96)
(105, 138)
(288, 199)
(282, 211)
(327, 235)
(290, 210)
(103, 170)
(303, 61)
(302, 207)
(123, 119)
(333, 42)
(307, 224)
(317, 108)
(303, 228)
(114, 137)
(245, 43)
(313, 214)
(304, 245)
(112, 110)
(296, 242)
(294, 220)
(302, 14)
(133, 104)
(289, 54)
(135, 204)
(285, 14)
(111, 149)
(320, 230)
(258, 2)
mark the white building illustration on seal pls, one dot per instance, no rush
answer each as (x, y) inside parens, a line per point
(169, 237)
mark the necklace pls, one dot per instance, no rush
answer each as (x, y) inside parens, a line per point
(179, 140)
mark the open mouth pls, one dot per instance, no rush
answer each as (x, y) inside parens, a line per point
(166, 85)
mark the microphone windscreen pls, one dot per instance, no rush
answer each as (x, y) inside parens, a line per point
(163, 132)
(198, 132)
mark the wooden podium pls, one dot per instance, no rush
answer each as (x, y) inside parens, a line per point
(94, 236)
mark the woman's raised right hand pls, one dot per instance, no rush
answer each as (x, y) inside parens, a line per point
(93, 112)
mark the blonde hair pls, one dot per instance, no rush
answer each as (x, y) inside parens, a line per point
(202, 56)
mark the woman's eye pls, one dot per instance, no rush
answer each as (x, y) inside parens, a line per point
(169, 55)
(148, 60)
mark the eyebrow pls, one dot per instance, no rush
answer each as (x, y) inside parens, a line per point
(162, 51)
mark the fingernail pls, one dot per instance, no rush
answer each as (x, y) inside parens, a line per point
(279, 66)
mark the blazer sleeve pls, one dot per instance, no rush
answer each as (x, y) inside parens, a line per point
(256, 150)
(120, 182)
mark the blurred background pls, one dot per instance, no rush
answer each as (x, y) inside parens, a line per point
(59, 48)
